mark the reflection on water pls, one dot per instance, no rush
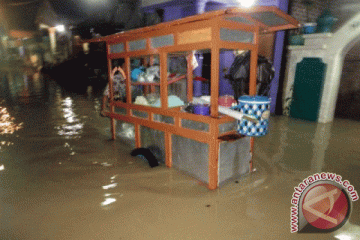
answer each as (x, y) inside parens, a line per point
(296, 145)
(112, 185)
(70, 131)
(348, 232)
(50, 116)
(69, 114)
(73, 127)
(7, 125)
(110, 198)
(108, 201)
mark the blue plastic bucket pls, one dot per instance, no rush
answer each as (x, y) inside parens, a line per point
(309, 28)
(258, 107)
(202, 109)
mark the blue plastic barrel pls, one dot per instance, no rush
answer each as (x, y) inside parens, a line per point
(197, 88)
(258, 107)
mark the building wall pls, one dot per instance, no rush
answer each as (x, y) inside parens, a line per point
(344, 10)
(348, 103)
(298, 10)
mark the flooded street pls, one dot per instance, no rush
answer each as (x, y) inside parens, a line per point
(61, 177)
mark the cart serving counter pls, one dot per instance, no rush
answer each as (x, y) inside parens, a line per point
(159, 63)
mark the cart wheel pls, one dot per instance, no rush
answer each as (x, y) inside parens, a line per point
(158, 153)
(147, 154)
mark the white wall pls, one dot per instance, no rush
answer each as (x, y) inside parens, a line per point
(344, 10)
(338, 46)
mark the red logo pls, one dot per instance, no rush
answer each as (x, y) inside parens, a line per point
(325, 206)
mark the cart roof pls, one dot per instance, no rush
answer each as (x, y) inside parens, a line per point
(268, 19)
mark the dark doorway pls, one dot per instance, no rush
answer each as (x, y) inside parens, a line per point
(348, 101)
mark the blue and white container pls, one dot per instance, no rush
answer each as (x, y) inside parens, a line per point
(258, 107)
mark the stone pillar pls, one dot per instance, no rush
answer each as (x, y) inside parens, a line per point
(52, 36)
(315, 47)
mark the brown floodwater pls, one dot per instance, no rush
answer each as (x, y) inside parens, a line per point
(62, 178)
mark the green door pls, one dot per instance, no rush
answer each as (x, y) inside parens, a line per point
(308, 86)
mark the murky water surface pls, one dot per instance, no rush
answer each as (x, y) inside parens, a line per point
(61, 177)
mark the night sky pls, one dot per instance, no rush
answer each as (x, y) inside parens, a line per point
(20, 14)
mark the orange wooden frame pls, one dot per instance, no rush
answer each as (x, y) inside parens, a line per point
(189, 34)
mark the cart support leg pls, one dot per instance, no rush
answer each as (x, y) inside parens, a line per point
(137, 136)
(213, 164)
(252, 142)
(168, 149)
(112, 121)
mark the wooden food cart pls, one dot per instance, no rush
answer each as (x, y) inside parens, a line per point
(196, 144)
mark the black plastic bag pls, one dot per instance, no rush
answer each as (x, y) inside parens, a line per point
(239, 75)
